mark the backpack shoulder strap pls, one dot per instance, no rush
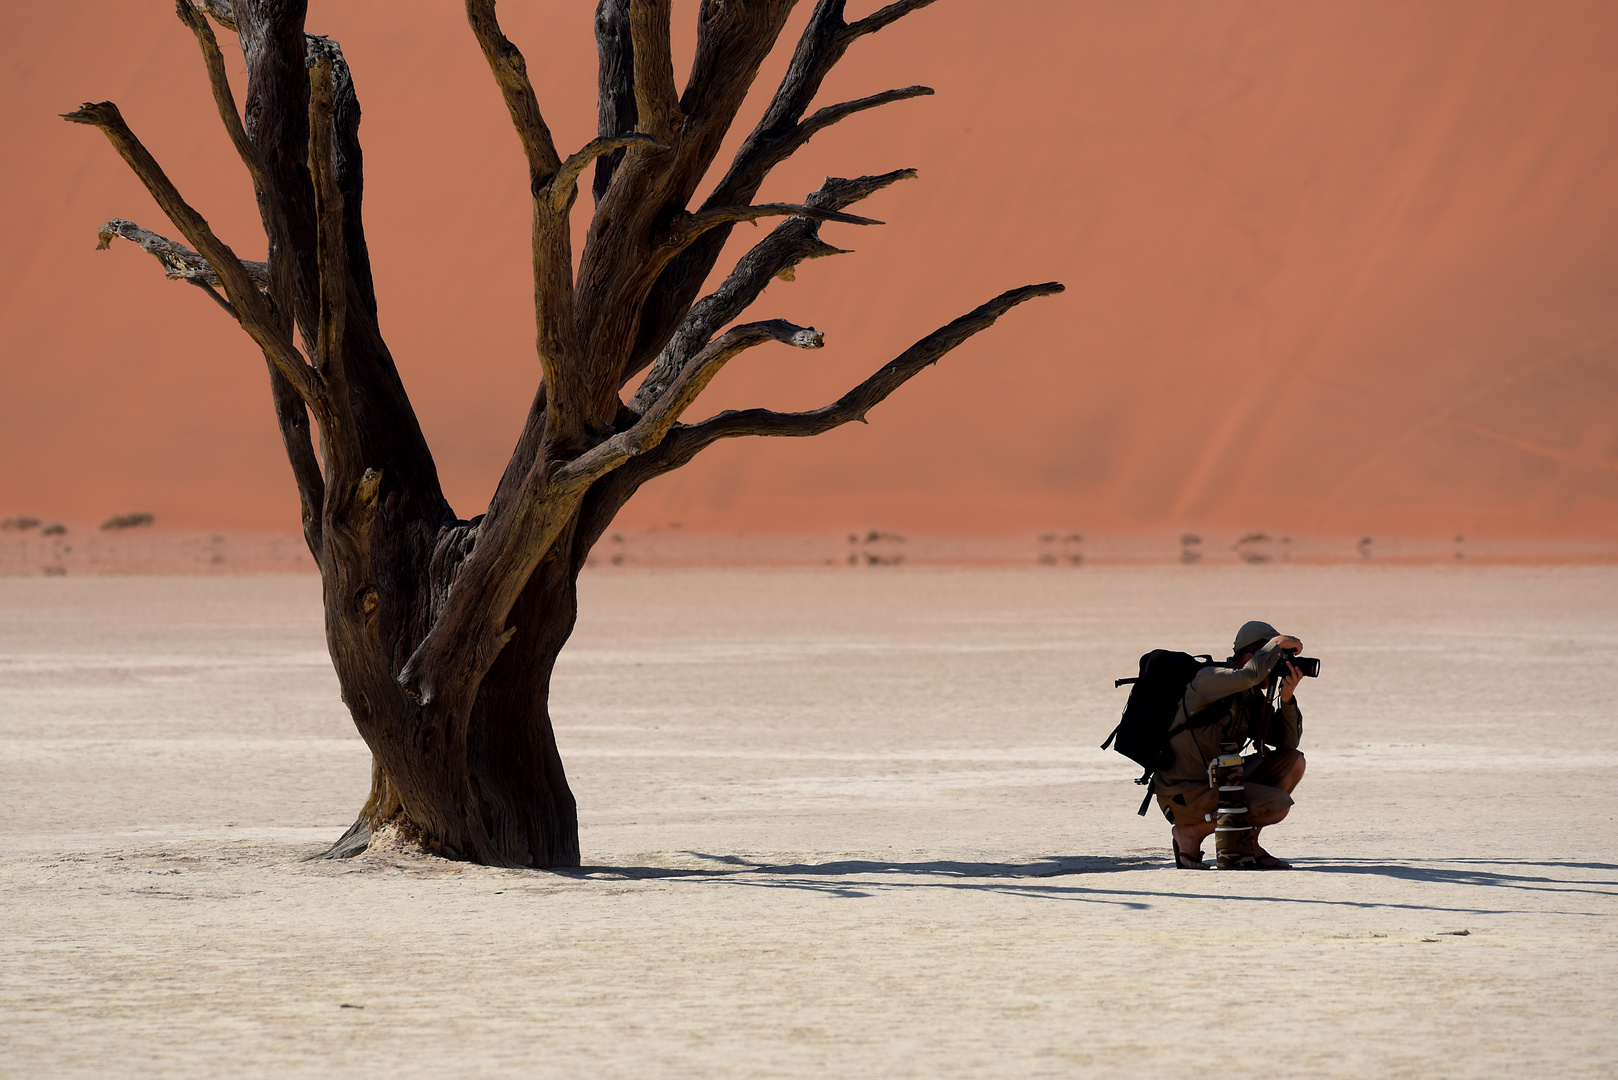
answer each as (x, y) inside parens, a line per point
(1206, 662)
(1147, 798)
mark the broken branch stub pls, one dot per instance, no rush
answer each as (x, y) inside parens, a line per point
(179, 262)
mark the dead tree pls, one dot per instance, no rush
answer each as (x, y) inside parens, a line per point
(443, 631)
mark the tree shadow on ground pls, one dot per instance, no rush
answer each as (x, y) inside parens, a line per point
(858, 878)
(732, 865)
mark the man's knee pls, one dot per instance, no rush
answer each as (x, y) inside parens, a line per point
(1295, 768)
(1267, 804)
(1287, 759)
(1283, 769)
(1269, 815)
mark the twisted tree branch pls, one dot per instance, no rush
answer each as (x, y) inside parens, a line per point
(647, 432)
(789, 243)
(824, 41)
(657, 103)
(554, 186)
(822, 119)
(684, 442)
(180, 263)
(291, 414)
(511, 73)
(615, 93)
(885, 17)
(562, 184)
(248, 305)
(733, 39)
(292, 419)
(649, 190)
(291, 411)
(778, 133)
(223, 12)
(332, 259)
(219, 83)
(688, 229)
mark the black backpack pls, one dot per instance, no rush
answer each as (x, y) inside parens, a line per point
(1142, 734)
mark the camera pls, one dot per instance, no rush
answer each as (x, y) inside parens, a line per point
(1309, 665)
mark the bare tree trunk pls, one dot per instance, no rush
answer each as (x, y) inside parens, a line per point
(509, 803)
(445, 633)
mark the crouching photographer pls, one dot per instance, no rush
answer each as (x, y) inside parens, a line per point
(1228, 704)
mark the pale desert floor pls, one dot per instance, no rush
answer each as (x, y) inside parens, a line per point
(844, 823)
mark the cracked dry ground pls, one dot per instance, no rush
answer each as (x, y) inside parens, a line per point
(847, 823)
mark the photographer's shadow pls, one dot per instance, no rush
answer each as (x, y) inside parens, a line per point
(1475, 872)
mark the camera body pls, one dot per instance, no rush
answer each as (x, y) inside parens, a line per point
(1309, 665)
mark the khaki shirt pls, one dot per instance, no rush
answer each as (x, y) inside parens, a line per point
(1244, 686)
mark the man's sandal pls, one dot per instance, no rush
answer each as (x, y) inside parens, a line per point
(1183, 861)
(1266, 861)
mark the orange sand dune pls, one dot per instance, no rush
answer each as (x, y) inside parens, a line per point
(1375, 245)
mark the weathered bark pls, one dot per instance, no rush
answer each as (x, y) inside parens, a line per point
(445, 632)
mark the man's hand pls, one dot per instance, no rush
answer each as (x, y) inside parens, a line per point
(1290, 682)
(1293, 675)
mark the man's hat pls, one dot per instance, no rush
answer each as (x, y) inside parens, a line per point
(1253, 634)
